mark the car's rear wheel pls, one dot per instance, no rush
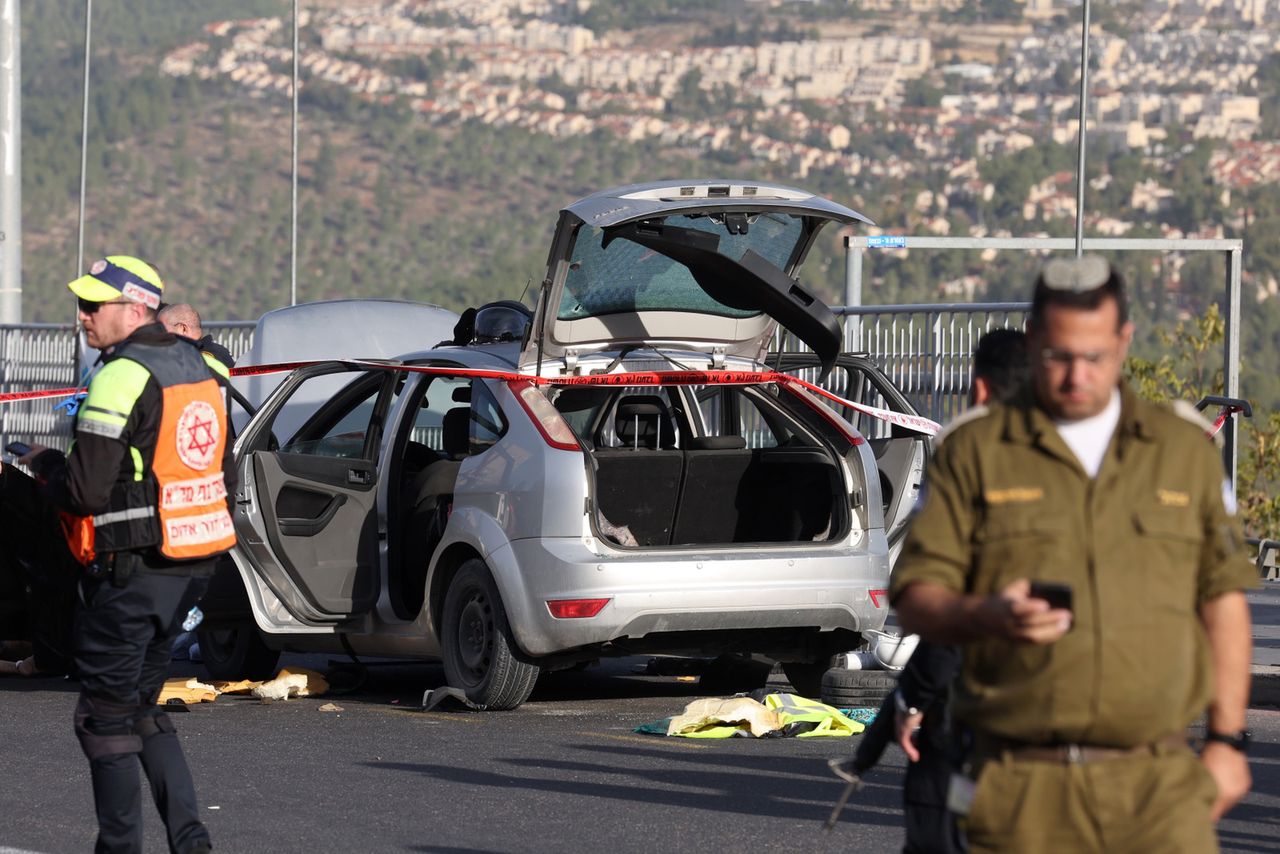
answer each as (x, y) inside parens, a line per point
(237, 652)
(856, 689)
(475, 639)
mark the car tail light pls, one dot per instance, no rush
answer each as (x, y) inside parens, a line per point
(554, 429)
(877, 595)
(569, 609)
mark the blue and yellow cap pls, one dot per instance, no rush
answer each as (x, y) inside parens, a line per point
(120, 276)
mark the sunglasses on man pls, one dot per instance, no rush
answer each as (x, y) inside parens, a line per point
(90, 307)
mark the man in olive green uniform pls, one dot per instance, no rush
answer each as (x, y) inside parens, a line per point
(1079, 713)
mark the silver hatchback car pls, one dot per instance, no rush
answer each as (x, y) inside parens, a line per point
(613, 472)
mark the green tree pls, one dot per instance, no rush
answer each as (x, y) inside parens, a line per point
(1184, 372)
(921, 93)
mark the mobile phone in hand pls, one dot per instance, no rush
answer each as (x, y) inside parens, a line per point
(1057, 594)
(17, 449)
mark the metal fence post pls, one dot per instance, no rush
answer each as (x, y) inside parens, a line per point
(935, 365)
(852, 295)
(1231, 360)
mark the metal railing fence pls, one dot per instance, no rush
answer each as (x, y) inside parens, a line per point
(1231, 250)
(926, 350)
(35, 357)
(42, 356)
(1268, 559)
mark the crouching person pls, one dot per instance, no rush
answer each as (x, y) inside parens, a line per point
(143, 496)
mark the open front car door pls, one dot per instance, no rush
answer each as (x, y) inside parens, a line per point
(306, 513)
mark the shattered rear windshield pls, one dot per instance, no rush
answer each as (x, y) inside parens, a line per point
(628, 277)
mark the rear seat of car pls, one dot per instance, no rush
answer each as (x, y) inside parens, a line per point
(713, 490)
(638, 482)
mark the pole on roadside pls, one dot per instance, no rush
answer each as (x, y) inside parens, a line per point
(1081, 133)
(10, 162)
(293, 204)
(84, 138)
(79, 355)
(852, 294)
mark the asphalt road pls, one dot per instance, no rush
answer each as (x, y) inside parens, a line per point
(565, 771)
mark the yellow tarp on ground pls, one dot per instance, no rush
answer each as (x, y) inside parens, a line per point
(792, 708)
(714, 717)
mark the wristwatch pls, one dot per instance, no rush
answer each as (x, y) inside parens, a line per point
(1239, 740)
(900, 703)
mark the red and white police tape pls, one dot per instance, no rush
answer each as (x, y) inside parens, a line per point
(915, 423)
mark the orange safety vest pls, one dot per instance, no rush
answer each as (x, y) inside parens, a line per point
(179, 504)
(194, 521)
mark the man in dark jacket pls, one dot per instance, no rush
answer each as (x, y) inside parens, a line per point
(180, 318)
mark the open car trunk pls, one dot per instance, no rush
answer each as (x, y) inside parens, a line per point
(705, 466)
(714, 497)
(901, 454)
(699, 265)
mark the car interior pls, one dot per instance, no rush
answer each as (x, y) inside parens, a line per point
(658, 481)
(426, 497)
(901, 454)
(455, 418)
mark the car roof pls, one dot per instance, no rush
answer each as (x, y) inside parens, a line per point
(500, 356)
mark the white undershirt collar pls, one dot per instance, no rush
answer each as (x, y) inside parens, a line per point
(1089, 437)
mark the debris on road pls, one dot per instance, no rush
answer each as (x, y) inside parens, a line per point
(244, 686)
(316, 683)
(282, 688)
(331, 707)
(435, 697)
(289, 682)
(187, 691)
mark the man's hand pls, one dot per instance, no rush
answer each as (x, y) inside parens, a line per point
(904, 731)
(1230, 771)
(36, 450)
(942, 615)
(1013, 615)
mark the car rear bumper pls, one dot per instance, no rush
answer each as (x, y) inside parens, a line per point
(822, 588)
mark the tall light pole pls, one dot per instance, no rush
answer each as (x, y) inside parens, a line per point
(293, 205)
(10, 162)
(1081, 133)
(84, 137)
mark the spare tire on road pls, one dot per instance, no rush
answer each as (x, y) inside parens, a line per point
(857, 689)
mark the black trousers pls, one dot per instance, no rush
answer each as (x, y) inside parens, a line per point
(123, 638)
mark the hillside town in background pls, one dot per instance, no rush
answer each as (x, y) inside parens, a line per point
(527, 64)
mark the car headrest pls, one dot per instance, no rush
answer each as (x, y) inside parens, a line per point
(456, 428)
(643, 421)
